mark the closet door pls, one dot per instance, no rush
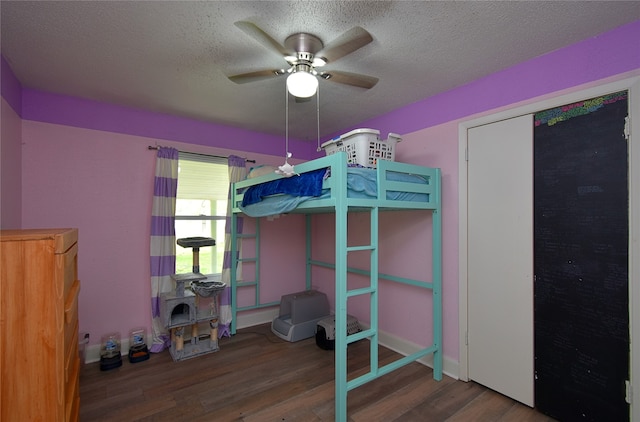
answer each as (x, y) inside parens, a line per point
(500, 257)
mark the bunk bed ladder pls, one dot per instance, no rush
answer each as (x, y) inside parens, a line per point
(255, 283)
(342, 340)
(342, 385)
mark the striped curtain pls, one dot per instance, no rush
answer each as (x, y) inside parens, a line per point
(237, 172)
(163, 240)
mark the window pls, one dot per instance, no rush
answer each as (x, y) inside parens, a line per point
(201, 208)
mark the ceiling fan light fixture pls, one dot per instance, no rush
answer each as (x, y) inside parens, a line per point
(302, 84)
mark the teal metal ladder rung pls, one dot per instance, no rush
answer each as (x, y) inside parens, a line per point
(360, 335)
(359, 292)
(390, 367)
(361, 248)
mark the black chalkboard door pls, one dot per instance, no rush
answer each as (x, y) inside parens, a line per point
(581, 237)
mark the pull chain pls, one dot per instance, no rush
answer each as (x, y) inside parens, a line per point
(318, 116)
(286, 136)
(286, 169)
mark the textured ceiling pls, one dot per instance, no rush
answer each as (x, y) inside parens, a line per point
(174, 57)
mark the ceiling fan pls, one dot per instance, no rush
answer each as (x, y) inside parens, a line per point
(305, 53)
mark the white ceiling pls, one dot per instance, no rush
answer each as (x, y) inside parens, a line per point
(174, 56)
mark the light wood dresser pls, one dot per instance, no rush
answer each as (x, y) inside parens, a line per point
(39, 361)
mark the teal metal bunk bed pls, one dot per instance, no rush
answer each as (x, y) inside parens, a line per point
(395, 189)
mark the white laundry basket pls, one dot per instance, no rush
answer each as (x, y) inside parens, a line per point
(364, 147)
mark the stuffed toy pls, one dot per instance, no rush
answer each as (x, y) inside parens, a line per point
(286, 169)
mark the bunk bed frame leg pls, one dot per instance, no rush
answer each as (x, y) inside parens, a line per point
(374, 298)
(233, 272)
(437, 285)
(308, 251)
(341, 211)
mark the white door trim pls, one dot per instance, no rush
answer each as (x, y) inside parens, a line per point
(631, 84)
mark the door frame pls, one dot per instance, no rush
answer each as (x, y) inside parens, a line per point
(632, 84)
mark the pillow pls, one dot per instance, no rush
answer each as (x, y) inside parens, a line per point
(260, 171)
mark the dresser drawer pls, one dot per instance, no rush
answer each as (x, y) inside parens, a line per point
(71, 320)
(69, 261)
(72, 391)
(71, 304)
(71, 353)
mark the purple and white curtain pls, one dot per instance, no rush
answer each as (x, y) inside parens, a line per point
(163, 240)
(237, 172)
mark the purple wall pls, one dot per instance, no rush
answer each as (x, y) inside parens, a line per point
(101, 183)
(72, 111)
(10, 167)
(10, 148)
(10, 87)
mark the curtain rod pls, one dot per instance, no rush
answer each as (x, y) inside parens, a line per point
(204, 155)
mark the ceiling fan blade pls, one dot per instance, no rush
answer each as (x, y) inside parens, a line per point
(258, 75)
(263, 38)
(347, 78)
(348, 42)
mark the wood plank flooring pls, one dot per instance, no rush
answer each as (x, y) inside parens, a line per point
(257, 377)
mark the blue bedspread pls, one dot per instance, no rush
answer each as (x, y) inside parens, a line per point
(306, 184)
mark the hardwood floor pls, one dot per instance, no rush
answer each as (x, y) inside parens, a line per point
(258, 377)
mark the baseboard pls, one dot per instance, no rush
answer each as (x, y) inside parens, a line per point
(262, 316)
(405, 348)
(92, 353)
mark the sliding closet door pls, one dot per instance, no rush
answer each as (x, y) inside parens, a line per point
(581, 260)
(500, 257)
